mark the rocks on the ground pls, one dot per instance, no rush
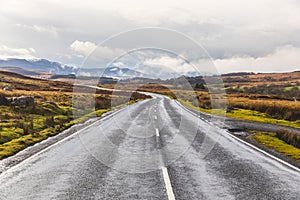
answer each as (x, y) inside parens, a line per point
(7, 89)
(230, 109)
(22, 101)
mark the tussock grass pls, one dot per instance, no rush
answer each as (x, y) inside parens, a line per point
(279, 109)
(289, 137)
(244, 114)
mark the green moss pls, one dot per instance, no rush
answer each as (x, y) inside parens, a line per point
(291, 87)
(16, 145)
(252, 115)
(12, 139)
(270, 140)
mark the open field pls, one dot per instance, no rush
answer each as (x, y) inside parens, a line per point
(275, 94)
(49, 111)
(268, 98)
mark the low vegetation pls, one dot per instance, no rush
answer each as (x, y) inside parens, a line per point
(51, 111)
(272, 141)
(289, 137)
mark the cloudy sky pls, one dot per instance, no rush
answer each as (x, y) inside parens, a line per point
(256, 35)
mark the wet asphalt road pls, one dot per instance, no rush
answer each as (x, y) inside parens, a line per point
(123, 156)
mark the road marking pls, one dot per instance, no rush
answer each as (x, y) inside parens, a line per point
(106, 117)
(284, 163)
(157, 132)
(264, 152)
(165, 173)
(168, 185)
(155, 117)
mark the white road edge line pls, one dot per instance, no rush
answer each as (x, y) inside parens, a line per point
(60, 141)
(168, 185)
(264, 152)
(252, 146)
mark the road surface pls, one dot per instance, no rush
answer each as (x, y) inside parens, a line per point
(154, 149)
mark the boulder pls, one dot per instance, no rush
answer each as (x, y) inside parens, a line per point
(22, 101)
(7, 88)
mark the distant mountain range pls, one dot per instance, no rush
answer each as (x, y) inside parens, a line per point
(113, 71)
(39, 65)
(45, 68)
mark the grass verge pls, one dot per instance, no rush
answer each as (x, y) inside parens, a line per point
(243, 114)
(15, 145)
(270, 140)
(252, 115)
(190, 105)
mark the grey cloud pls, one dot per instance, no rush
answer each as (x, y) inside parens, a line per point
(227, 29)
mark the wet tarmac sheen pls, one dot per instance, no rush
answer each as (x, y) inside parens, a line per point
(121, 157)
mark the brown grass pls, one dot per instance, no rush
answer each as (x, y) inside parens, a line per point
(279, 109)
(289, 137)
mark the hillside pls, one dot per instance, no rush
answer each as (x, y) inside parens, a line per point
(31, 73)
(33, 109)
(46, 68)
(20, 82)
(270, 78)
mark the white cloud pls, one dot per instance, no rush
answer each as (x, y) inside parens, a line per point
(95, 56)
(233, 32)
(84, 48)
(95, 52)
(286, 58)
(8, 52)
(166, 64)
(49, 29)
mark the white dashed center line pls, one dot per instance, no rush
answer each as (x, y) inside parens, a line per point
(168, 185)
(157, 132)
(165, 174)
